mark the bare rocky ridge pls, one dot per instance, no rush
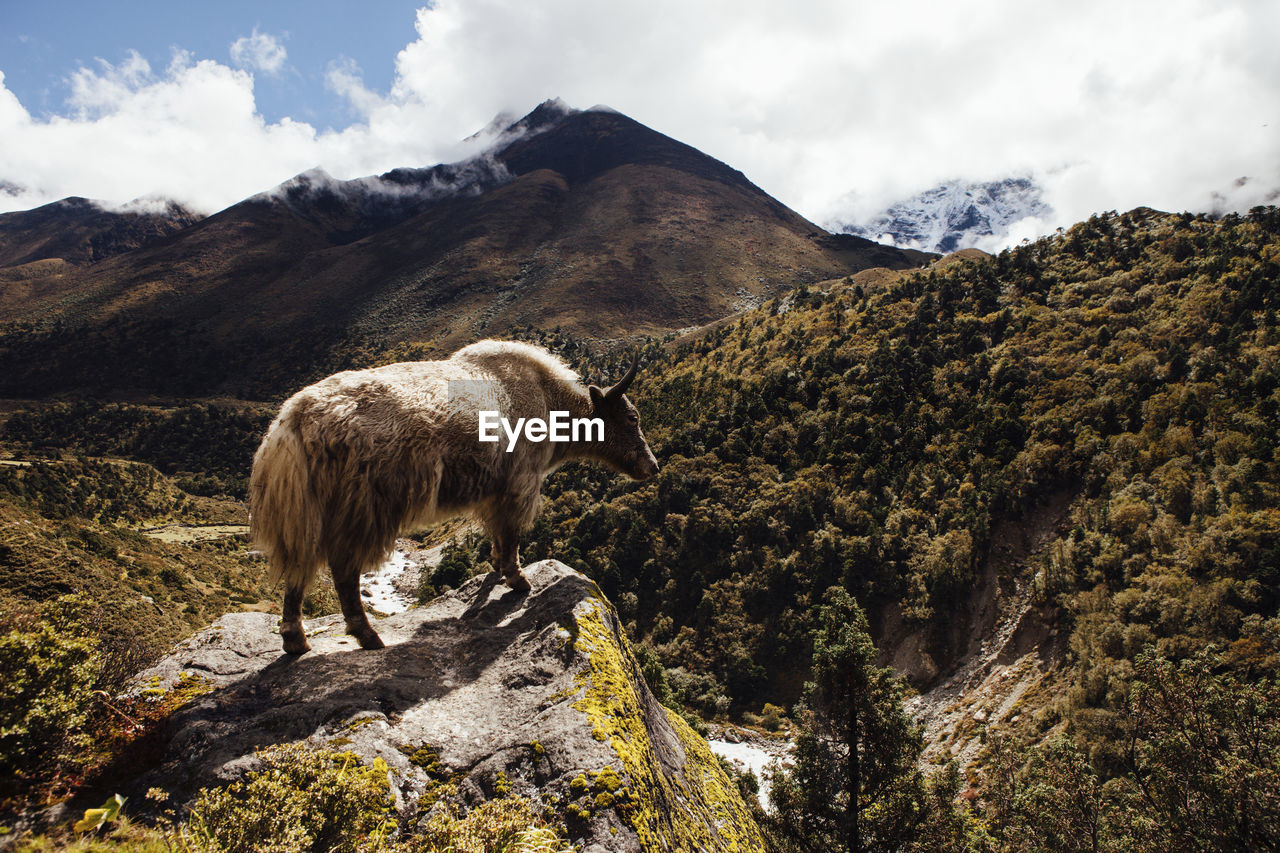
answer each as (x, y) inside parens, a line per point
(533, 690)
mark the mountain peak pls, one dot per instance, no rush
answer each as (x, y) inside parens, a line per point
(504, 128)
(588, 220)
(547, 113)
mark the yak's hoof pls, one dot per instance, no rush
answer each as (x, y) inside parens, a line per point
(369, 639)
(518, 582)
(295, 642)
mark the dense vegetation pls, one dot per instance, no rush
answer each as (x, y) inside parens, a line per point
(1200, 767)
(206, 448)
(855, 784)
(875, 438)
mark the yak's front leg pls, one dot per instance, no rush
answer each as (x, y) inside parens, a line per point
(291, 632)
(503, 523)
(346, 581)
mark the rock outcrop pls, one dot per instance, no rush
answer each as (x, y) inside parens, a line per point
(537, 694)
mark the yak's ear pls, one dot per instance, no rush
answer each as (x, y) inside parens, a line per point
(597, 396)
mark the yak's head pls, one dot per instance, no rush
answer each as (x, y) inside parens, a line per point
(624, 448)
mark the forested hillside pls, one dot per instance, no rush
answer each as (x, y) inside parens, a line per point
(873, 435)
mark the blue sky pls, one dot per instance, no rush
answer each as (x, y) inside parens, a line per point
(839, 108)
(44, 42)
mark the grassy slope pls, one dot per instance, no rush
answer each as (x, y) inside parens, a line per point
(73, 526)
(87, 479)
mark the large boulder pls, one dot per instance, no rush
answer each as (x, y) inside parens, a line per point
(537, 694)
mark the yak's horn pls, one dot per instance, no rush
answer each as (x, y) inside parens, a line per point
(625, 382)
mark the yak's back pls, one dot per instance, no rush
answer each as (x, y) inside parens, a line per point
(516, 361)
(424, 398)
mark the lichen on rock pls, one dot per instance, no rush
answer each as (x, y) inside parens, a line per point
(678, 796)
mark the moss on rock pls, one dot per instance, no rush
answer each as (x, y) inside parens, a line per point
(696, 808)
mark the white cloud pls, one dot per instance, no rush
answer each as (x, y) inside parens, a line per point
(259, 52)
(343, 77)
(837, 108)
(192, 134)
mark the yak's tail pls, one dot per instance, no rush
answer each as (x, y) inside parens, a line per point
(284, 511)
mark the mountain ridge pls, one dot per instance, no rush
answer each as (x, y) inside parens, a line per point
(586, 220)
(82, 231)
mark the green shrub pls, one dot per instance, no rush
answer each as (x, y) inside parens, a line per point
(298, 800)
(506, 825)
(772, 717)
(459, 561)
(50, 670)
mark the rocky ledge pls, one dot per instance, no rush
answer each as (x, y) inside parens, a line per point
(533, 694)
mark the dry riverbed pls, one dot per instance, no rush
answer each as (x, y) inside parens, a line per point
(747, 749)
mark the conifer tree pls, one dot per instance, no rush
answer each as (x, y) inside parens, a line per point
(854, 786)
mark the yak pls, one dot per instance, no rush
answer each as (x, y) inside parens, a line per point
(356, 459)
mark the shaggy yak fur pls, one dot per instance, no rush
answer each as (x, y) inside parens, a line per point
(356, 459)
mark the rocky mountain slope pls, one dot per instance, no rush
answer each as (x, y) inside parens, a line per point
(485, 692)
(584, 220)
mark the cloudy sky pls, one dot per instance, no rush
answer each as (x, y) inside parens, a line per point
(837, 108)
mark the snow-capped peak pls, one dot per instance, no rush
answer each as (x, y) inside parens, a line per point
(954, 215)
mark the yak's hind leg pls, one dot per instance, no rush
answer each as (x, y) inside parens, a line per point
(503, 523)
(346, 581)
(505, 554)
(291, 632)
